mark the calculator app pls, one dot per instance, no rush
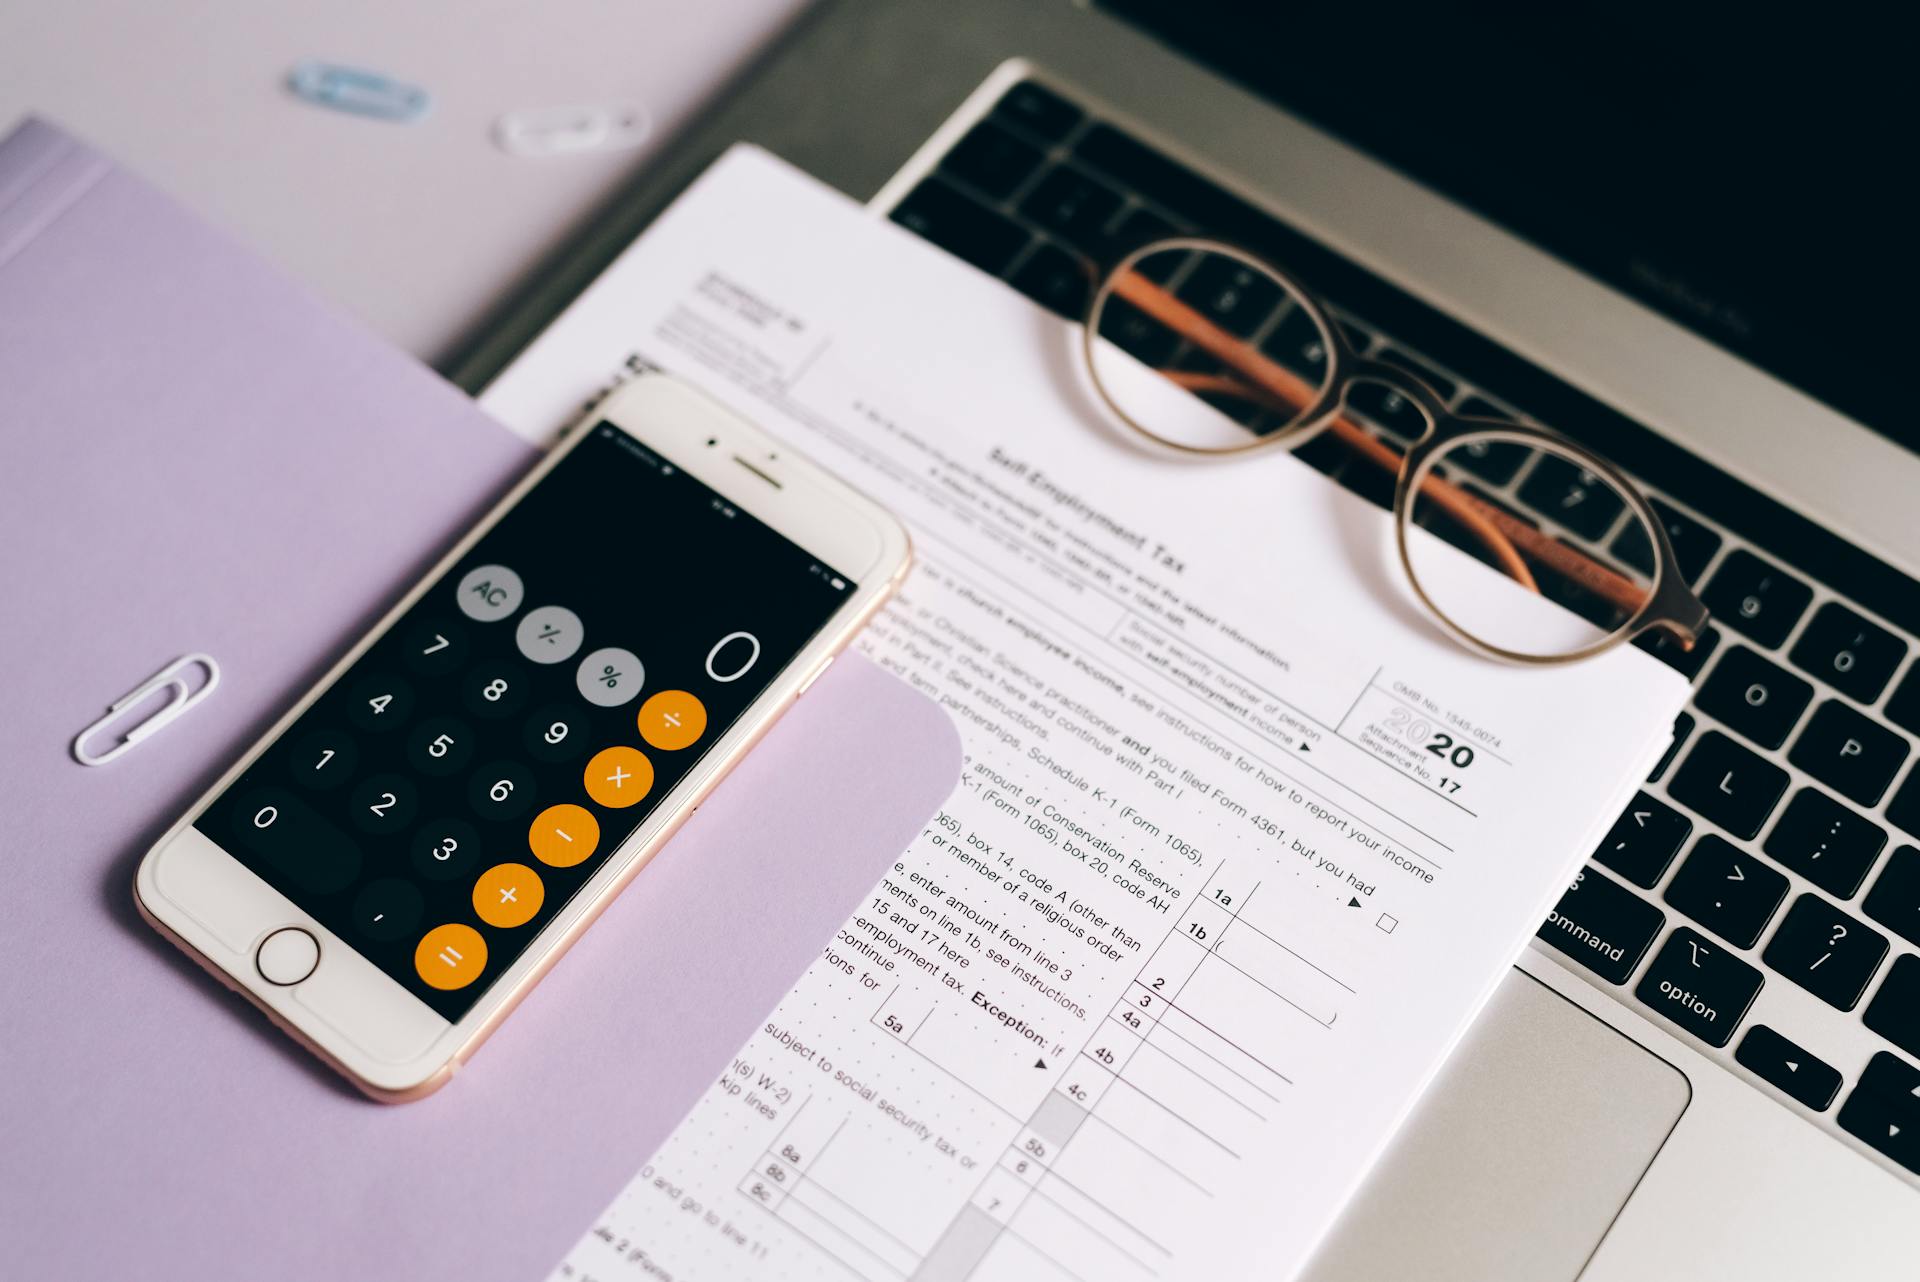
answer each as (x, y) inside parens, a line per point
(441, 802)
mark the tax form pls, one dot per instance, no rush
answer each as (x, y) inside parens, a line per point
(1241, 845)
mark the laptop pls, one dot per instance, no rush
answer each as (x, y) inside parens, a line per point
(1650, 253)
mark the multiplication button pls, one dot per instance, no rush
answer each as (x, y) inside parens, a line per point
(490, 593)
(550, 634)
(609, 677)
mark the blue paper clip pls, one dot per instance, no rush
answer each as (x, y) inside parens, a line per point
(181, 698)
(365, 93)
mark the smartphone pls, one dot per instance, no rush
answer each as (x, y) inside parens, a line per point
(405, 854)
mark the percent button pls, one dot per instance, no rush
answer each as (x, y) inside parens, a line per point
(609, 677)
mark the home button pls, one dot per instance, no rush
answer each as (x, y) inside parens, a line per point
(287, 956)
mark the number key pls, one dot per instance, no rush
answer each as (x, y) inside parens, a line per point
(383, 803)
(501, 790)
(497, 690)
(380, 703)
(556, 733)
(439, 746)
(323, 760)
(1850, 654)
(444, 849)
(1756, 598)
(435, 647)
(1826, 952)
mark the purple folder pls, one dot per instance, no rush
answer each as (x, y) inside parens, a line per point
(197, 456)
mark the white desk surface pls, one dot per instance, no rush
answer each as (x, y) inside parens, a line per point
(420, 229)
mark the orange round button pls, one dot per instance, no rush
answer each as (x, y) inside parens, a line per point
(508, 895)
(672, 719)
(450, 956)
(618, 777)
(564, 835)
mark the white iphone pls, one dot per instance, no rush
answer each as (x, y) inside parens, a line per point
(422, 835)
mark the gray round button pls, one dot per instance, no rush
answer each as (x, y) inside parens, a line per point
(490, 593)
(550, 634)
(287, 956)
(609, 677)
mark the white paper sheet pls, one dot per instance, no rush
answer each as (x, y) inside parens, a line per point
(1242, 845)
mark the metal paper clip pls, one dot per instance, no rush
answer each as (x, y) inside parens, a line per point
(560, 131)
(180, 700)
(365, 93)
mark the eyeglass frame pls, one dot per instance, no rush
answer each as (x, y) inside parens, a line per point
(1671, 603)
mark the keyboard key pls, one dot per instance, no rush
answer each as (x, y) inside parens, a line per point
(1728, 785)
(1040, 112)
(1682, 727)
(1073, 206)
(1884, 1109)
(1693, 544)
(1894, 1012)
(1388, 410)
(1139, 226)
(1687, 663)
(1494, 462)
(1439, 383)
(1296, 343)
(1573, 496)
(1602, 925)
(1788, 1067)
(1894, 901)
(1847, 751)
(1232, 295)
(1903, 709)
(1730, 892)
(1825, 842)
(960, 225)
(1700, 985)
(1136, 333)
(1853, 656)
(1755, 598)
(991, 160)
(1904, 809)
(1825, 951)
(1644, 840)
(1759, 699)
(1056, 280)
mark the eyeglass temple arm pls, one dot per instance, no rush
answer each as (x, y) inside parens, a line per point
(1496, 528)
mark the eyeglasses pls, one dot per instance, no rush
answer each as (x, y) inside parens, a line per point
(1204, 349)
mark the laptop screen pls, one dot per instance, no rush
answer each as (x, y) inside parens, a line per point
(1733, 178)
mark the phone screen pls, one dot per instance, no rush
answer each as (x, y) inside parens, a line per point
(444, 799)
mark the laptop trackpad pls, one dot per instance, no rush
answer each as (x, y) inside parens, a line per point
(1516, 1162)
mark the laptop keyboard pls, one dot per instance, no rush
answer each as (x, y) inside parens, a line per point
(1775, 846)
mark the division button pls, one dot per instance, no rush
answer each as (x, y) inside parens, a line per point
(1700, 985)
(609, 677)
(618, 777)
(1788, 1067)
(490, 593)
(550, 634)
(1826, 952)
(450, 957)
(564, 835)
(1602, 925)
(508, 895)
(672, 720)
(287, 956)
